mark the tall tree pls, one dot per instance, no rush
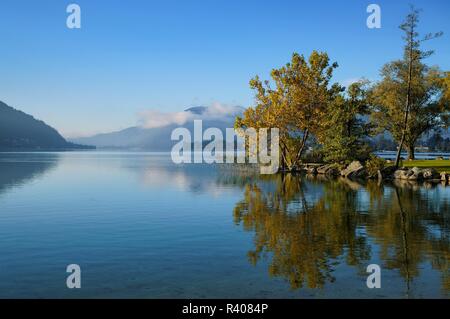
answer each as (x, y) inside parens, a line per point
(295, 101)
(408, 98)
(270, 111)
(310, 94)
(445, 102)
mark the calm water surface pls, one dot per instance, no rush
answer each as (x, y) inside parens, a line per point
(140, 226)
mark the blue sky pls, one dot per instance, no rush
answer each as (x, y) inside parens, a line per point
(131, 56)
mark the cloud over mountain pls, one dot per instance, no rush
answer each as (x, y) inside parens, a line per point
(154, 128)
(217, 111)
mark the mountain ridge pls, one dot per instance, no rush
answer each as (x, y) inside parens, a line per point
(21, 131)
(158, 138)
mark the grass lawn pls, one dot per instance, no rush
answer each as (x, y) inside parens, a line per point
(439, 165)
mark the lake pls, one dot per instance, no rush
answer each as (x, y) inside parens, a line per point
(140, 226)
(418, 155)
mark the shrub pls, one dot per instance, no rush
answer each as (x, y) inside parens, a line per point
(314, 156)
(374, 164)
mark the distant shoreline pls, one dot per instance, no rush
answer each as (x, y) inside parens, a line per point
(28, 150)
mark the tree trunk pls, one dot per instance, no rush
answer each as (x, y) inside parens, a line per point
(283, 157)
(399, 151)
(411, 152)
(302, 147)
(408, 96)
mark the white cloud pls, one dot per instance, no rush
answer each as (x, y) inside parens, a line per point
(217, 111)
(154, 118)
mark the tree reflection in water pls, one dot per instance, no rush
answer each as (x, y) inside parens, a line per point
(306, 226)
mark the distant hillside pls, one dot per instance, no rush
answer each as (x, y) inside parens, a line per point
(158, 138)
(20, 131)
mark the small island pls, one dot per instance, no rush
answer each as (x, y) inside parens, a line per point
(326, 128)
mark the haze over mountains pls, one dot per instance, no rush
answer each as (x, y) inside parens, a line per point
(20, 131)
(155, 129)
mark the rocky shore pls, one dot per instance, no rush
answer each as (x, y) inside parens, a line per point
(356, 170)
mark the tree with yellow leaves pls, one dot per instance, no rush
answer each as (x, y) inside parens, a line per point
(296, 102)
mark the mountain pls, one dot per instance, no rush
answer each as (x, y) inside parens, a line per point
(20, 131)
(159, 138)
(199, 110)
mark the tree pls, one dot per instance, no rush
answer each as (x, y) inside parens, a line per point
(297, 104)
(345, 137)
(408, 99)
(445, 102)
(437, 143)
(270, 111)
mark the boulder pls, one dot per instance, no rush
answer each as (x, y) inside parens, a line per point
(354, 170)
(445, 177)
(387, 172)
(431, 173)
(333, 171)
(311, 170)
(401, 173)
(330, 170)
(440, 158)
(414, 174)
(322, 169)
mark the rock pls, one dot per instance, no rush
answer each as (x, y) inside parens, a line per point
(431, 173)
(322, 169)
(354, 166)
(414, 177)
(311, 170)
(329, 170)
(445, 177)
(401, 173)
(414, 174)
(333, 171)
(440, 158)
(354, 170)
(387, 172)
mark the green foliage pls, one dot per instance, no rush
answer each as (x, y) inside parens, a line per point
(410, 91)
(295, 101)
(375, 164)
(302, 102)
(437, 143)
(314, 156)
(345, 137)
